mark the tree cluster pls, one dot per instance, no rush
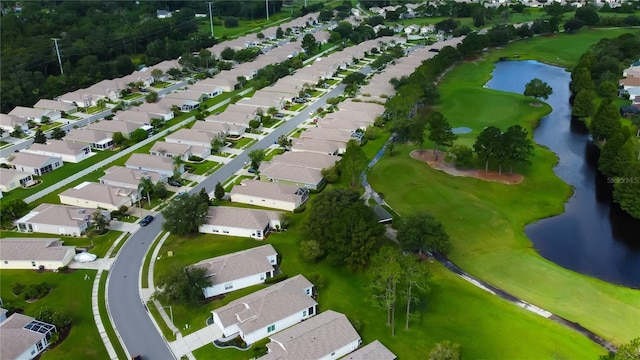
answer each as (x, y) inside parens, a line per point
(185, 214)
(183, 285)
(506, 148)
(345, 229)
(12, 210)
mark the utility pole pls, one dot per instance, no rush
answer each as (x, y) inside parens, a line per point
(55, 41)
(211, 17)
(267, 4)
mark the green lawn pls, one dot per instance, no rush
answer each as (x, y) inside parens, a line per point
(101, 243)
(241, 143)
(132, 96)
(202, 168)
(71, 293)
(487, 231)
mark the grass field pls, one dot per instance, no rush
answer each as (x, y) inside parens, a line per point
(71, 293)
(487, 231)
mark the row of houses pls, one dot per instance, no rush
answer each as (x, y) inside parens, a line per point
(630, 85)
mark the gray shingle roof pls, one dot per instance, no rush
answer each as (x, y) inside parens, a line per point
(32, 160)
(267, 190)
(314, 338)
(147, 161)
(373, 351)
(240, 217)
(309, 160)
(292, 173)
(50, 249)
(15, 339)
(100, 193)
(238, 265)
(59, 147)
(264, 307)
(60, 215)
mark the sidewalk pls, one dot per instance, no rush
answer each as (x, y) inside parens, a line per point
(185, 345)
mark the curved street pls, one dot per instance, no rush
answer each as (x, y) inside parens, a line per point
(130, 318)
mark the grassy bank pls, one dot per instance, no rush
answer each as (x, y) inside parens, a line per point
(486, 220)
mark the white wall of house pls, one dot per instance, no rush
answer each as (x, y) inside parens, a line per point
(34, 351)
(124, 200)
(49, 166)
(260, 201)
(338, 353)
(169, 139)
(76, 158)
(241, 232)
(53, 229)
(226, 331)
(279, 326)
(236, 284)
(35, 264)
(15, 183)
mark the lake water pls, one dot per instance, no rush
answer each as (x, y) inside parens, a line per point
(593, 236)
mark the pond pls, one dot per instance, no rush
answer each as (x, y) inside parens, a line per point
(593, 236)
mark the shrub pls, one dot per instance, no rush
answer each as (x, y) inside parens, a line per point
(310, 250)
(276, 279)
(63, 268)
(195, 158)
(36, 291)
(462, 155)
(298, 210)
(317, 279)
(17, 289)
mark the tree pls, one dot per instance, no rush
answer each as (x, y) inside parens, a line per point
(309, 44)
(17, 131)
(60, 319)
(227, 53)
(151, 97)
(260, 35)
(12, 210)
(160, 190)
(156, 74)
(117, 138)
(573, 24)
(184, 214)
(421, 231)
(581, 80)
(606, 121)
(284, 142)
(440, 132)
(217, 142)
(588, 14)
(516, 145)
(384, 273)
(279, 33)
(204, 196)
(584, 104)
(254, 124)
(445, 350)
(487, 143)
(256, 156)
(537, 89)
(331, 175)
(139, 135)
(231, 21)
(353, 162)
(608, 89)
(39, 137)
(183, 285)
(146, 187)
(353, 78)
(57, 133)
(310, 250)
(417, 127)
(219, 192)
(415, 278)
(610, 152)
(100, 223)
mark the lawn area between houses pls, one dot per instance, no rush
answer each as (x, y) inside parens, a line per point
(101, 243)
(487, 231)
(70, 293)
(487, 326)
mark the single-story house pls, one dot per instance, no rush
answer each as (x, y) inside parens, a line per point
(96, 195)
(210, 91)
(342, 124)
(232, 118)
(126, 128)
(264, 99)
(188, 95)
(35, 163)
(165, 66)
(181, 104)
(31, 253)
(232, 221)
(55, 105)
(365, 117)
(35, 114)
(8, 123)
(170, 150)
(219, 128)
(373, 108)
(239, 270)
(271, 195)
(299, 176)
(335, 135)
(120, 176)
(138, 76)
(137, 117)
(98, 140)
(79, 98)
(375, 350)
(12, 179)
(23, 337)
(328, 335)
(156, 110)
(309, 160)
(267, 311)
(225, 80)
(67, 151)
(191, 137)
(58, 219)
(161, 165)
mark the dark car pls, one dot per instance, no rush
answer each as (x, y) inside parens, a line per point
(252, 170)
(175, 183)
(146, 220)
(136, 357)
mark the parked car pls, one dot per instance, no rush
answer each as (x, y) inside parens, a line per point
(278, 116)
(146, 220)
(252, 170)
(175, 183)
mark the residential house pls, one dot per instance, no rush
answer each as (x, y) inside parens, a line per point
(375, 350)
(166, 65)
(58, 219)
(210, 91)
(98, 140)
(11, 179)
(180, 104)
(124, 177)
(299, 176)
(318, 146)
(267, 311)
(143, 77)
(192, 137)
(156, 110)
(162, 165)
(219, 128)
(335, 135)
(33, 253)
(170, 150)
(67, 151)
(232, 118)
(79, 98)
(135, 117)
(35, 114)
(163, 14)
(23, 337)
(126, 128)
(341, 124)
(264, 99)
(34, 163)
(328, 335)
(108, 90)
(8, 123)
(187, 95)
(368, 107)
(271, 195)
(225, 80)
(239, 270)
(96, 195)
(309, 160)
(55, 105)
(232, 221)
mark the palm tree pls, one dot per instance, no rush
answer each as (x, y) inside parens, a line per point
(146, 186)
(177, 165)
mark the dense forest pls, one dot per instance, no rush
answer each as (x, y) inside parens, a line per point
(98, 40)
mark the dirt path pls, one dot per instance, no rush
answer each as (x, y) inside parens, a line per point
(429, 157)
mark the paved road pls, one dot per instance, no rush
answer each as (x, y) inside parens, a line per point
(130, 318)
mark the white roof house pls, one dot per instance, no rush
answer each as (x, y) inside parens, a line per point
(23, 337)
(239, 270)
(232, 118)
(34, 163)
(167, 149)
(67, 151)
(31, 253)
(232, 221)
(191, 137)
(225, 80)
(9, 122)
(267, 311)
(35, 114)
(188, 95)
(156, 110)
(219, 128)
(268, 194)
(300, 176)
(328, 335)
(57, 219)
(162, 165)
(309, 160)
(335, 135)
(375, 350)
(181, 104)
(133, 116)
(11, 179)
(120, 176)
(342, 124)
(55, 105)
(99, 140)
(96, 195)
(114, 126)
(318, 146)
